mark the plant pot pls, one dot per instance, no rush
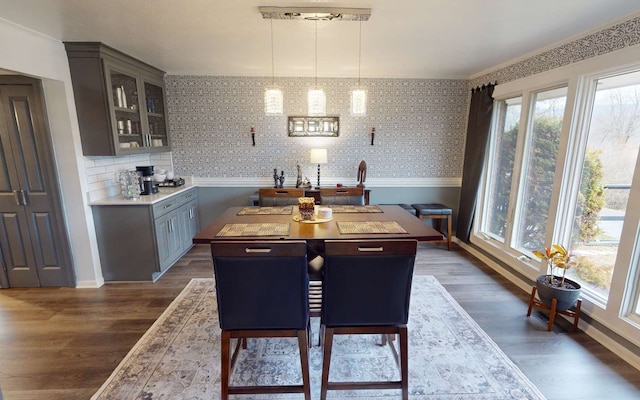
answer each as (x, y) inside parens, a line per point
(566, 297)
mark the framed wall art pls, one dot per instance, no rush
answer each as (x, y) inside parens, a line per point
(314, 126)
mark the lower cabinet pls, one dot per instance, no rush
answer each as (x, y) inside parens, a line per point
(139, 242)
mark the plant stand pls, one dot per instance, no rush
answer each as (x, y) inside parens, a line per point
(552, 310)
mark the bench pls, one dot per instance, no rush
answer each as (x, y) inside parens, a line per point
(436, 212)
(407, 207)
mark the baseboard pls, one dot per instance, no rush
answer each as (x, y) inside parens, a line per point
(602, 336)
(90, 284)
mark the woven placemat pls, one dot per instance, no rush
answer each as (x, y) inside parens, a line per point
(347, 228)
(261, 229)
(284, 210)
(339, 209)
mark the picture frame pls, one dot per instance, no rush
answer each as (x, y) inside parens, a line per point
(305, 126)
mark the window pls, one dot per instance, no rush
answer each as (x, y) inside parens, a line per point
(539, 166)
(610, 158)
(500, 168)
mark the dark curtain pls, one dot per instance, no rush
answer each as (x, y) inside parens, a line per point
(474, 153)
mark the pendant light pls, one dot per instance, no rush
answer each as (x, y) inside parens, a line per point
(273, 104)
(316, 99)
(359, 94)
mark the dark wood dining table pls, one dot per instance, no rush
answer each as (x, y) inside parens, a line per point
(413, 227)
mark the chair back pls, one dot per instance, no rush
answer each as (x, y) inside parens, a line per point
(261, 284)
(272, 197)
(367, 282)
(342, 196)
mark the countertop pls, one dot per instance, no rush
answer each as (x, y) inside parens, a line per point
(146, 200)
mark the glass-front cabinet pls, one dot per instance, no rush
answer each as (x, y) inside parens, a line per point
(120, 101)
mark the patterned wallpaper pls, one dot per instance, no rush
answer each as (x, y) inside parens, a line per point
(616, 37)
(420, 127)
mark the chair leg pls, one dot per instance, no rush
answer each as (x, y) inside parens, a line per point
(225, 362)
(303, 344)
(326, 361)
(404, 362)
(449, 232)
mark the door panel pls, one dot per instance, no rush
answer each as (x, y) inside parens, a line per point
(16, 250)
(25, 147)
(32, 202)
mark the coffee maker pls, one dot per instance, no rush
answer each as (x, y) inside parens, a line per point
(145, 176)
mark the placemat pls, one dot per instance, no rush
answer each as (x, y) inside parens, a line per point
(339, 209)
(283, 210)
(346, 228)
(260, 229)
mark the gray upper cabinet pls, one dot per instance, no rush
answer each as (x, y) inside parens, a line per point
(120, 101)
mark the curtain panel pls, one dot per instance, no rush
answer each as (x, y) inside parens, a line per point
(478, 128)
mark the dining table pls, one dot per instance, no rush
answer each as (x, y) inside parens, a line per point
(346, 223)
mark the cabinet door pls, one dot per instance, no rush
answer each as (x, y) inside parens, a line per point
(123, 85)
(168, 239)
(156, 126)
(189, 223)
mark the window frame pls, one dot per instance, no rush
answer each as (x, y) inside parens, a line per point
(523, 269)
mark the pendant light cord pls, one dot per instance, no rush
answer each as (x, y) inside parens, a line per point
(359, 51)
(316, 50)
(273, 73)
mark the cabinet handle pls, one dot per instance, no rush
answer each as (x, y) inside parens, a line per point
(170, 226)
(168, 205)
(24, 198)
(191, 213)
(15, 194)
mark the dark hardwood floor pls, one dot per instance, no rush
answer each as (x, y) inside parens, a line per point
(63, 343)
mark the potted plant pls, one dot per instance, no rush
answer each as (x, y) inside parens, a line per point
(550, 286)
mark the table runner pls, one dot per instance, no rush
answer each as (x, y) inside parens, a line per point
(354, 227)
(258, 229)
(338, 209)
(284, 210)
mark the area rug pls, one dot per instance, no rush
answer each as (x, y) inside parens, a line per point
(450, 356)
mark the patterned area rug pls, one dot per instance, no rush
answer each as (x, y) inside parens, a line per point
(450, 357)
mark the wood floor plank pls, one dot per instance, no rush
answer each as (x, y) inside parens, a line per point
(63, 343)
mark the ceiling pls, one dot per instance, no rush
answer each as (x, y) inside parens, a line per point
(402, 38)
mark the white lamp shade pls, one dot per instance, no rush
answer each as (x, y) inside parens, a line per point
(273, 100)
(318, 156)
(316, 102)
(358, 102)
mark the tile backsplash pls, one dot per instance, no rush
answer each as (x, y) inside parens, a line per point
(102, 172)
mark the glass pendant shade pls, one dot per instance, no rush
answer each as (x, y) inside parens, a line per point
(316, 102)
(358, 102)
(273, 104)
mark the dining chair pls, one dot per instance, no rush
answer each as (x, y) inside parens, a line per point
(366, 290)
(342, 196)
(262, 292)
(272, 197)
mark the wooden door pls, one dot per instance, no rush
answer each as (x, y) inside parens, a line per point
(33, 239)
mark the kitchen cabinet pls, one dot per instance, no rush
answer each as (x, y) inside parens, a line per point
(139, 242)
(120, 101)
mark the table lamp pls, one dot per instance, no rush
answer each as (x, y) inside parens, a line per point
(318, 156)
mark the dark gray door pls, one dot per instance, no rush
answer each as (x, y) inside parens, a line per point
(33, 241)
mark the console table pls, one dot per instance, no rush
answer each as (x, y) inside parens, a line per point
(254, 199)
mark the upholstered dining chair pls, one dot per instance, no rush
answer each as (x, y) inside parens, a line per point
(366, 290)
(271, 197)
(262, 290)
(342, 196)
